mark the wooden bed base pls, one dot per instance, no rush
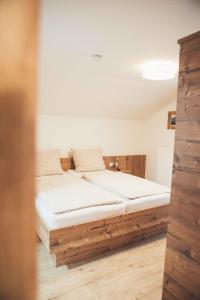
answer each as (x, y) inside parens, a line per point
(79, 242)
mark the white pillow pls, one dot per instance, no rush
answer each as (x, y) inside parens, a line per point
(88, 159)
(48, 163)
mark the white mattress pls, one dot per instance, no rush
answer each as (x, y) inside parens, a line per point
(54, 221)
(74, 195)
(135, 204)
(147, 202)
(125, 185)
(78, 216)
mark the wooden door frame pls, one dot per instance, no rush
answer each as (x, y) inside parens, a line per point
(18, 35)
(182, 263)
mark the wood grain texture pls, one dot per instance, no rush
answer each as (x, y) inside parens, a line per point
(182, 266)
(79, 242)
(189, 53)
(132, 164)
(129, 274)
(18, 28)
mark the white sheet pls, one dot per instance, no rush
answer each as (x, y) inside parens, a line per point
(75, 173)
(147, 202)
(125, 185)
(55, 221)
(68, 193)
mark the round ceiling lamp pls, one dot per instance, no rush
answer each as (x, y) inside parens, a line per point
(159, 69)
(97, 57)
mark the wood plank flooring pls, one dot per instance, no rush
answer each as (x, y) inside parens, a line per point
(133, 273)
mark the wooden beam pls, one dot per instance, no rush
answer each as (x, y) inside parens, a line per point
(182, 265)
(18, 19)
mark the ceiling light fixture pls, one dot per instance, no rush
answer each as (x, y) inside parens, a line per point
(97, 57)
(159, 69)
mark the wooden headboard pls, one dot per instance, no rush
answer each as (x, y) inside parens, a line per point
(133, 164)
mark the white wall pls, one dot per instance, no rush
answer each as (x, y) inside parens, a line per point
(115, 136)
(159, 146)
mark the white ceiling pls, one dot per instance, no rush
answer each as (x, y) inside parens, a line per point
(126, 33)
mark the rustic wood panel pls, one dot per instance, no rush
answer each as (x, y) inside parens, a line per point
(67, 163)
(84, 252)
(189, 53)
(17, 121)
(133, 164)
(189, 108)
(79, 242)
(182, 265)
(186, 156)
(188, 85)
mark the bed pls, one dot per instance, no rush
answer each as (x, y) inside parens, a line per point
(78, 219)
(138, 193)
(65, 201)
(81, 233)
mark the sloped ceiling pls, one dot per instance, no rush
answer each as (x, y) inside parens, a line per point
(126, 33)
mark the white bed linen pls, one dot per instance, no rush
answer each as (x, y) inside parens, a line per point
(54, 221)
(68, 193)
(75, 173)
(76, 197)
(147, 202)
(125, 185)
(78, 216)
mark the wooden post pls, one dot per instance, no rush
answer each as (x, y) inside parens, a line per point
(18, 29)
(182, 266)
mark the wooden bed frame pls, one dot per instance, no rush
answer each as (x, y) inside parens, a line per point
(77, 243)
(80, 242)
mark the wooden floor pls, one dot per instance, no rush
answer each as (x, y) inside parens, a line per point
(132, 273)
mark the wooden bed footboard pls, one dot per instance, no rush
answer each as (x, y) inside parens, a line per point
(79, 242)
